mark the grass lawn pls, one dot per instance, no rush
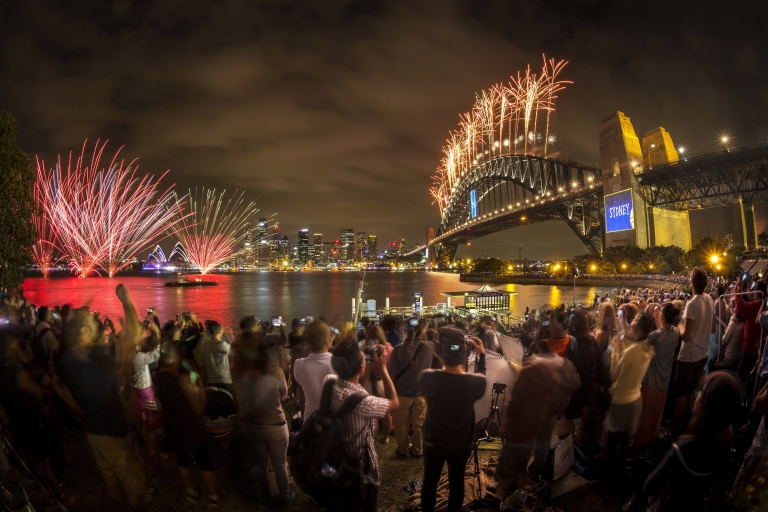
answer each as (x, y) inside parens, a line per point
(395, 474)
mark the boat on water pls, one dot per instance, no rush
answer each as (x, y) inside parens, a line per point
(182, 281)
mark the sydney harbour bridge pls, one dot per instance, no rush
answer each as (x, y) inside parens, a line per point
(497, 175)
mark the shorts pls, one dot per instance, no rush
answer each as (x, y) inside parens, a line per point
(202, 455)
(688, 376)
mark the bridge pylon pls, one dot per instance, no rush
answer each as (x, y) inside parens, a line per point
(630, 220)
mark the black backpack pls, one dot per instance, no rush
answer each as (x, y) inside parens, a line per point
(319, 445)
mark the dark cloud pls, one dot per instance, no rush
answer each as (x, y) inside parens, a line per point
(332, 114)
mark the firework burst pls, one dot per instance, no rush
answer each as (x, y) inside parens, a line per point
(214, 230)
(505, 119)
(104, 217)
(45, 248)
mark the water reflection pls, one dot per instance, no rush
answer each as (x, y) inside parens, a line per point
(290, 294)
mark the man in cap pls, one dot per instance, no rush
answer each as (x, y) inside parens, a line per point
(449, 430)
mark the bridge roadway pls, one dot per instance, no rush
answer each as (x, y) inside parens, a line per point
(516, 190)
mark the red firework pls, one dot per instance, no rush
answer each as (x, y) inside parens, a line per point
(104, 217)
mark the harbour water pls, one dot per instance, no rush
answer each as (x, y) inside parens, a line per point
(288, 294)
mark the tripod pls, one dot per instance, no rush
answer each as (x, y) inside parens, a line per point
(499, 390)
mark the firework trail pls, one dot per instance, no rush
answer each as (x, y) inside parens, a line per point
(505, 120)
(214, 230)
(104, 217)
(45, 247)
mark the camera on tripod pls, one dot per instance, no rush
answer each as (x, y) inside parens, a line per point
(499, 387)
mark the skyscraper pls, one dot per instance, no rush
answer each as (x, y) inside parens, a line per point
(347, 239)
(373, 247)
(248, 247)
(261, 229)
(317, 246)
(361, 249)
(303, 251)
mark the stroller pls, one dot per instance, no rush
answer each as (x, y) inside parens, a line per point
(220, 414)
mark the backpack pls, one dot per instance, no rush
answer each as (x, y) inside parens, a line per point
(318, 447)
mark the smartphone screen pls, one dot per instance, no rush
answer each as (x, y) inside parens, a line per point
(276, 321)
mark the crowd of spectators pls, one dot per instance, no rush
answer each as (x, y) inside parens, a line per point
(630, 371)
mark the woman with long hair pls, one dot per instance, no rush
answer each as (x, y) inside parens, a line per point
(261, 388)
(374, 385)
(627, 371)
(607, 326)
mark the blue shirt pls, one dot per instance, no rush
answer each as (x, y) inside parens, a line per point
(393, 338)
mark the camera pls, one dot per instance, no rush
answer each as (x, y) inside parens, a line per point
(499, 387)
(149, 310)
(277, 321)
(370, 351)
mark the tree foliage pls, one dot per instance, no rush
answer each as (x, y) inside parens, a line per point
(494, 265)
(17, 233)
(762, 239)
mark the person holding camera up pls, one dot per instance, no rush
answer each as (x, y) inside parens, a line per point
(450, 394)
(405, 365)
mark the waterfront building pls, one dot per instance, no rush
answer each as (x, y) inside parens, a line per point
(261, 229)
(373, 247)
(264, 252)
(317, 249)
(302, 253)
(347, 244)
(361, 248)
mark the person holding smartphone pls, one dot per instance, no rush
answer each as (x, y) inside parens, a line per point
(449, 433)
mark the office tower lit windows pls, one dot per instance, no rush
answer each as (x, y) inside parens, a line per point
(303, 247)
(361, 247)
(373, 247)
(347, 239)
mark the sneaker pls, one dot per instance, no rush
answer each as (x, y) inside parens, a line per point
(216, 502)
(192, 497)
(288, 499)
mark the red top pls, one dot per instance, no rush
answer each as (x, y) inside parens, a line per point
(558, 345)
(751, 336)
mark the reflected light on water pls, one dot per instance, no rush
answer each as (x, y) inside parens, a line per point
(289, 294)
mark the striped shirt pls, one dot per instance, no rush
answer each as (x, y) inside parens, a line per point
(359, 432)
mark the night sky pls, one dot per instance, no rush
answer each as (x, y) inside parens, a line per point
(333, 114)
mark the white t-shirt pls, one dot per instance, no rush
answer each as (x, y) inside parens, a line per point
(309, 373)
(701, 310)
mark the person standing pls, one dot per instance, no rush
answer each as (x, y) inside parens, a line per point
(655, 386)
(89, 384)
(215, 353)
(405, 365)
(698, 323)
(359, 425)
(183, 405)
(260, 392)
(627, 371)
(309, 372)
(449, 429)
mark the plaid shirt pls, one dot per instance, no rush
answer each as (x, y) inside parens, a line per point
(360, 427)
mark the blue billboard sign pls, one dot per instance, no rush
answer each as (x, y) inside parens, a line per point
(619, 215)
(473, 203)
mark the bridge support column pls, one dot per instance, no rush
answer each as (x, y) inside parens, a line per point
(750, 226)
(744, 227)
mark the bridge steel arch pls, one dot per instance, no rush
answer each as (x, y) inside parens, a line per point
(514, 190)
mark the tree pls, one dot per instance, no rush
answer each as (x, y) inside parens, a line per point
(762, 239)
(17, 233)
(493, 265)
